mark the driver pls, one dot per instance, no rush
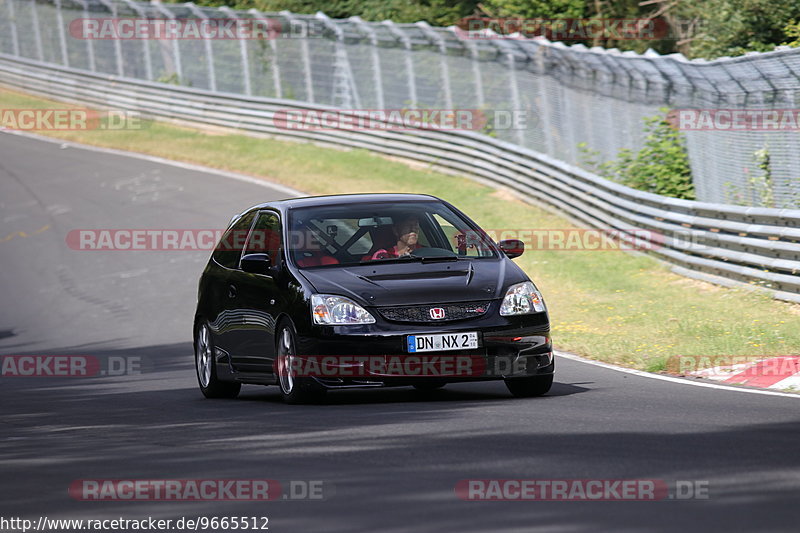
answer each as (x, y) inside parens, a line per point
(406, 230)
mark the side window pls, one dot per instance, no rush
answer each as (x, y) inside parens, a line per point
(342, 230)
(266, 236)
(229, 248)
(467, 244)
(362, 245)
(450, 232)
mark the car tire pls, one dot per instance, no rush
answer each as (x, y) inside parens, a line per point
(210, 385)
(294, 389)
(428, 386)
(530, 386)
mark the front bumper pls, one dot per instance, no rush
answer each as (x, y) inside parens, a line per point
(376, 355)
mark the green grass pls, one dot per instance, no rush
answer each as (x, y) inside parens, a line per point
(607, 305)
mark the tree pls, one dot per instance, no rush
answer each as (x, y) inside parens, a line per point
(696, 28)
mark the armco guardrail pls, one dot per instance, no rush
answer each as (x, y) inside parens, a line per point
(746, 244)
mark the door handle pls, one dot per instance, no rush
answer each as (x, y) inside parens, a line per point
(231, 291)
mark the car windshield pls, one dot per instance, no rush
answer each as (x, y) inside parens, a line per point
(371, 233)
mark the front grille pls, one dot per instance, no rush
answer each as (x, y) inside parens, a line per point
(421, 313)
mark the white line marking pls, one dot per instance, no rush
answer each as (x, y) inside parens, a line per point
(155, 159)
(672, 379)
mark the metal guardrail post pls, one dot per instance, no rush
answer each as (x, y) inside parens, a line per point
(766, 78)
(444, 69)
(476, 68)
(37, 31)
(515, 100)
(176, 49)
(377, 74)
(544, 104)
(409, 61)
(309, 82)
(622, 79)
(586, 117)
(62, 38)
(730, 74)
(210, 70)
(248, 88)
(507, 50)
(680, 63)
(89, 42)
(666, 76)
(276, 69)
(148, 64)
(617, 122)
(795, 70)
(344, 83)
(112, 8)
(13, 21)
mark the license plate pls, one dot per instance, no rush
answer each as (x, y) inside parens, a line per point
(440, 342)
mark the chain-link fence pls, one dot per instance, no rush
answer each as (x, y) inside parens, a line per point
(571, 95)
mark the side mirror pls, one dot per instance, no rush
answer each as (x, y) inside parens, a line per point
(256, 263)
(512, 247)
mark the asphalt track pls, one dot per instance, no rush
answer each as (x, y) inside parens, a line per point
(389, 459)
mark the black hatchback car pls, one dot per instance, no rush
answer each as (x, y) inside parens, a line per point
(366, 290)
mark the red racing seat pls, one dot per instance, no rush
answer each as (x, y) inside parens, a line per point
(312, 259)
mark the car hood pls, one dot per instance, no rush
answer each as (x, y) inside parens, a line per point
(417, 283)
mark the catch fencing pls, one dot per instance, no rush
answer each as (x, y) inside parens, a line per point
(571, 94)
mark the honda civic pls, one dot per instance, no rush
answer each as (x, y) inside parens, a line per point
(366, 290)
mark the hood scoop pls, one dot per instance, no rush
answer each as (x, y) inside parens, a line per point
(436, 274)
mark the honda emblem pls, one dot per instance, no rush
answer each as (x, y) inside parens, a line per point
(437, 313)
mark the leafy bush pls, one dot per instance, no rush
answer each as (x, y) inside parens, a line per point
(760, 189)
(661, 166)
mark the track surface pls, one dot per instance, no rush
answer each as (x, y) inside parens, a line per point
(389, 458)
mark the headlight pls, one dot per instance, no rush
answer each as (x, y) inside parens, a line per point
(328, 309)
(522, 299)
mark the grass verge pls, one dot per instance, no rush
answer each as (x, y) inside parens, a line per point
(607, 305)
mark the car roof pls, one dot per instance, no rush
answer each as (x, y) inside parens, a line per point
(338, 199)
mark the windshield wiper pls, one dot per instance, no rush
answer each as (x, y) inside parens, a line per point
(415, 257)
